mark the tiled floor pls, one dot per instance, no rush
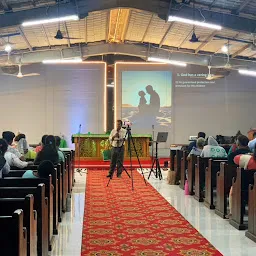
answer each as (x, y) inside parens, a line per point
(228, 240)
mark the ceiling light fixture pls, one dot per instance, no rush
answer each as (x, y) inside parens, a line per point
(60, 61)
(46, 21)
(8, 48)
(195, 22)
(247, 72)
(172, 62)
(224, 48)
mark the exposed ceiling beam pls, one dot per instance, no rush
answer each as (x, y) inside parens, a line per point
(166, 34)
(185, 39)
(240, 50)
(107, 26)
(46, 37)
(25, 39)
(242, 6)
(126, 25)
(146, 31)
(67, 34)
(5, 5)
(123, 49)
(207, 40)
(212, 3)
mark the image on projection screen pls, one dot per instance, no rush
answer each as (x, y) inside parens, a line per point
(147, 98)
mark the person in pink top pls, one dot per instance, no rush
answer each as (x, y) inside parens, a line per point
(39, 148)
(247, 162)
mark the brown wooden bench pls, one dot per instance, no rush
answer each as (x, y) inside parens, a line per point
(40, 205)
(210, 181)
(224, 183)
(240, 187)
(57, 191)
(191, 173)
(183, 168)
(49, 192)
(69, 170)
(251, 232)
(177, 166)
(9, 205)
(13, 236)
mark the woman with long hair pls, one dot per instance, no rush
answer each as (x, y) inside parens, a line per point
(48, 152)
(4, 166)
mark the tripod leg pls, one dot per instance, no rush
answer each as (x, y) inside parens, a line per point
(159, 169)
(137, 157)
(152, 169)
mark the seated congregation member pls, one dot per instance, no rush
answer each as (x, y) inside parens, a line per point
(212, 149)
(233, 148)
(4, 166)
(193, 143)
(242, 148)
(245, 161)
(48, 152)
(43, 171)
(252, 143)
(9, 136)
(60, 153)
(42, 143)
(198, 149)
(23, 148)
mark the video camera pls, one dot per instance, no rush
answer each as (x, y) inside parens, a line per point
(127, 124)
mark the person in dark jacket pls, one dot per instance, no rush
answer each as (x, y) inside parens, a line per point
(242, 148)
(193, 143)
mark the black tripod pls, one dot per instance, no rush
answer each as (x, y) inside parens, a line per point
(155, 168)
(129, 138)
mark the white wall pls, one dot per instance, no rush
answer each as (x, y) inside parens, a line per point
(56, 102)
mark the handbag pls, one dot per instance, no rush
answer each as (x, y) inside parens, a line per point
(171, 177)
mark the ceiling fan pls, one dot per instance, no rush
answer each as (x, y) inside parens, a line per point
(20, 74)
(211, 76)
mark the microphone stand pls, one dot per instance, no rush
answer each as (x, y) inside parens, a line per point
(79, 170)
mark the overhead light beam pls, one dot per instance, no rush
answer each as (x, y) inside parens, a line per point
(194, 22)
(172, 62)
(247, 72)
(60, 61)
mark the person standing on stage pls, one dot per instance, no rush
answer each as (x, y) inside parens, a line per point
(117, 138)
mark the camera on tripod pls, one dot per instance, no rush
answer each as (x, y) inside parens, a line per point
(127, 125)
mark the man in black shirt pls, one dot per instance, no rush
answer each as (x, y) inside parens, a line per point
(242, 148)
(193, 143)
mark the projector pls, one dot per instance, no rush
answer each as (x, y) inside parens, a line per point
(192, 138)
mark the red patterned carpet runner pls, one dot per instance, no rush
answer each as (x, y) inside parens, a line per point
(119, 221)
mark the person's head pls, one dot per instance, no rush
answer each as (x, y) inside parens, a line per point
(8, 136)
(201, 135)
(45, 168)
(119, 124)
(20, 136)
(242, 141)
(142, 93)
(254, 135)
(149, 89)
(212, 141)
(200, 142)
(50, 140)
(3, 146)
(43, 139)
(57, 139)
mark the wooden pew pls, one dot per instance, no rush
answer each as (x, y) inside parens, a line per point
(251, 232)
(201, 164)
(183, 167)
(177, 166)
(57, 191)
(191, 173)
(49, 192)
(40, 205)
(240, 186)
(210, 181)
(224, 183)
(73, 166)
(9, 205)
(13, 236)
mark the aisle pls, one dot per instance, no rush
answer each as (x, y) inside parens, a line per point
(118, 221)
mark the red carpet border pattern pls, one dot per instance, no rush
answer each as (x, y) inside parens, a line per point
(119, 221)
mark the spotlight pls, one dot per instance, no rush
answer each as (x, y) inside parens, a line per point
(8, 48)
(224, 48)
